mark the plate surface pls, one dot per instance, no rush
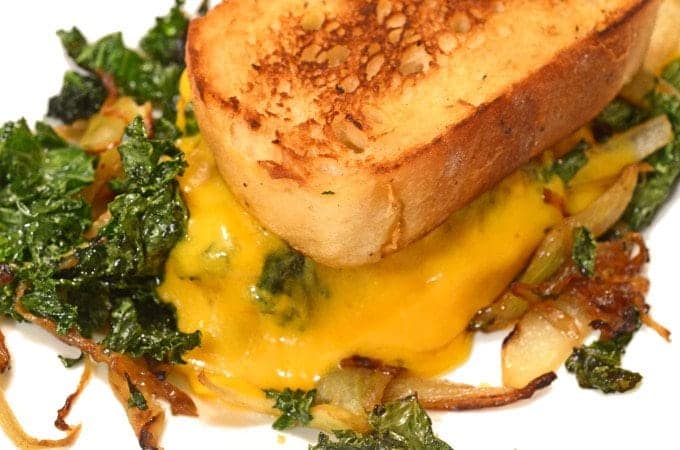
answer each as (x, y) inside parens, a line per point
(562, 417)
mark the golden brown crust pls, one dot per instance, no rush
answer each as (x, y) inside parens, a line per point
(348, 171)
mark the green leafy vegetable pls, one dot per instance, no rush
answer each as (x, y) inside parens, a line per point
(618, 116)
(81, 96)
(280, 269)
(73, 41)
(163, 129)
(40, 215)
(597, 366)
(402, 424)
(165, 42)
(288, 285)
(671, 73)
(149, 77)
(583, 251)
(654, 188)
(136, 399)
(151, 333)
(141, 78)
(566, 166)
(127, 257)
(70, 362)
(110, 280)
(294, 407)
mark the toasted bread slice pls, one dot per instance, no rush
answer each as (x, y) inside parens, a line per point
(353, 127)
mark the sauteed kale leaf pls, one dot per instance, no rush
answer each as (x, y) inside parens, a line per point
(81, 96)
(151, 76)
(165, 42)
(598, 365)
(583, 251)
(655, 187)
(402, 424)
(110, 280)
(294, 407)
(40, 215)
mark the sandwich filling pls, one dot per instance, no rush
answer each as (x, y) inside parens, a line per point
(410, 309)
(272, 318)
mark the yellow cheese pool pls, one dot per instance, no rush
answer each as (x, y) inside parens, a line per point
(410, 309)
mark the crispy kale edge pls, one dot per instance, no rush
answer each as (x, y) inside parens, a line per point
(598, 365)
(108, 282)
(150, 76)
(294, 406)
(402, 424)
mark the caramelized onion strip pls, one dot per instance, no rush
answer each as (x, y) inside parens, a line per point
(542, 340)
(606, 160)
(60, 421)
(180, 402)
(5, 357)
(444, 395)
(609, 301)
(147, 423)
(234, 397)
(330, 417)
(554, 251)
(15, 432)
(598, 217)
(326, 416)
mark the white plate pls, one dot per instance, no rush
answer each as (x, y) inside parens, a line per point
(562, 417)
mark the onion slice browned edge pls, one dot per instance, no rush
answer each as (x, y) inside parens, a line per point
(180, 402)
(60, 421)
(5, 357)
(13, 429)
(446, 395)
(554, 250)
(11, 426)
(327, 417)
(147, 423)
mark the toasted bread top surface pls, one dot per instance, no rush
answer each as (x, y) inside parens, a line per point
(403, 110)
(354, 79)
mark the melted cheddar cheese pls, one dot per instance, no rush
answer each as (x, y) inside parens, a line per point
(411, 309)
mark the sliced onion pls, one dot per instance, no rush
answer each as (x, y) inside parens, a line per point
(608, 159)
(500, 314)
(5, 357)
(105, 129)
(637, 89)
(147, 423)
(64, 411)
(440, 394)
(252, 401)
(326, 417)
(355, 389)
(140, 375)
(598, 217)
(15, 432)
(11, 426)
(330, 417)
(607, 301)
(98, 194)
(542, 340)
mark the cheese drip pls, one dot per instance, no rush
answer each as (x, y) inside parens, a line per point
(410, 309)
